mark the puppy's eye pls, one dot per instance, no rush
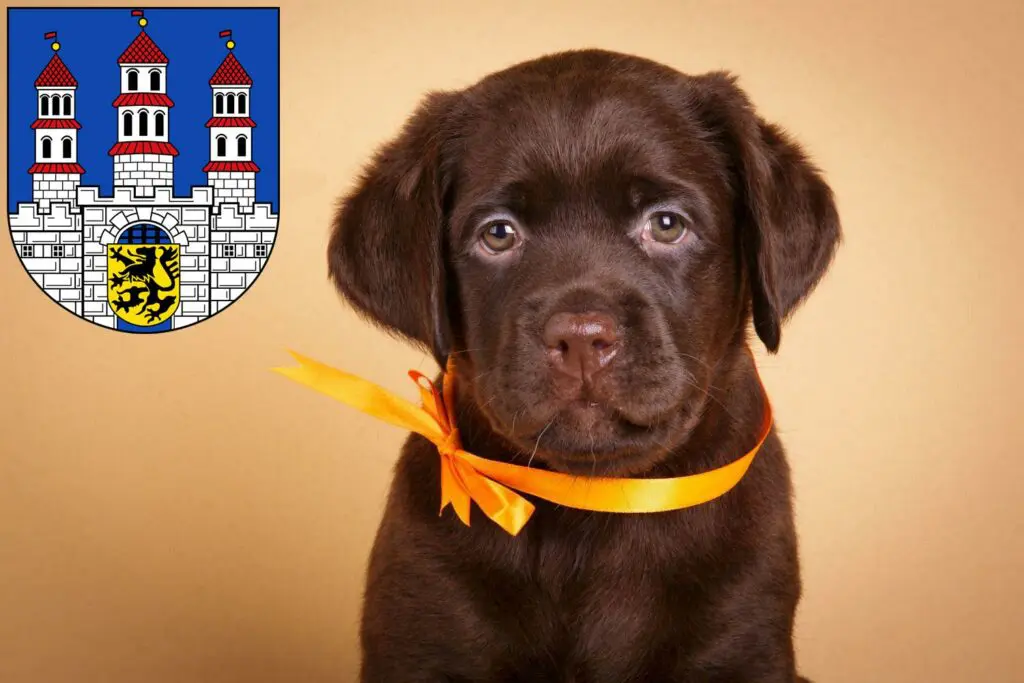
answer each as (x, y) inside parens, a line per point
(667, 227)
(499, 236)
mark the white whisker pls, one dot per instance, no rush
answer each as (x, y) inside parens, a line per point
(537, 445)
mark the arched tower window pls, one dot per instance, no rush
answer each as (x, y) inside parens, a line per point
(241, 145)
(158, 123)
(47, 148)
(127, 127)
(133, 80)
(44, 102)
(143, 123)
(66, 148)
(231, 103)
(222, 145)
(219, 103)
(55, 105)
(241, 103)
(154, 80)
(67, 105)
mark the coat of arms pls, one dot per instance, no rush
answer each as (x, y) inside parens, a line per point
(150, 140)
(143, 287)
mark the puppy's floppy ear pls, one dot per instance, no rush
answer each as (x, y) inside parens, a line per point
(386, 252)
(785, 212)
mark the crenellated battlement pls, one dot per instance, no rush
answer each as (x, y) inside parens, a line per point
(155, 196)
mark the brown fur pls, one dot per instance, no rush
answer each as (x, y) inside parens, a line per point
(574, 150)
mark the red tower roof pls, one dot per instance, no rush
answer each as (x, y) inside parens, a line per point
(55, 123)
(145, 99)
(230, 72)
(230, 166)
(56, 75)
(231, 122)
(56, 168)
(142, 51)
(143, 147)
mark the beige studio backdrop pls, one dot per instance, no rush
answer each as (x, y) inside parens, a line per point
(232, 547)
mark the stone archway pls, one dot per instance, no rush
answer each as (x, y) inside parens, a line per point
(124, 219)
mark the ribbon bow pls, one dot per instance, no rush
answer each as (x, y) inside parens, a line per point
(467, 477)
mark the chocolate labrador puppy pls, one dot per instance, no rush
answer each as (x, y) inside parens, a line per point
(588, 235)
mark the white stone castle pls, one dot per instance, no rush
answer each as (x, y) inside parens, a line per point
(225, 236)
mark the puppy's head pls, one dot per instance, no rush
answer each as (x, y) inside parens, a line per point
(590, 233)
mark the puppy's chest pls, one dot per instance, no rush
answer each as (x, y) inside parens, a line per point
(599, 611)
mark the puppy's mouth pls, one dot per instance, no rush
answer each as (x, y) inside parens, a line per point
(587, 437)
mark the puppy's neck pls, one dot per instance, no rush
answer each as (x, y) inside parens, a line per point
(722, 429)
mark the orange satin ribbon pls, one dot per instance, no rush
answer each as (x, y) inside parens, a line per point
(466, 477)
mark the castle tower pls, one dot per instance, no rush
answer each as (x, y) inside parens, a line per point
(56, 173)
(231, 171)
(143, 154)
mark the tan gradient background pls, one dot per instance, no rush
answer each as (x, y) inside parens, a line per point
(231, 546)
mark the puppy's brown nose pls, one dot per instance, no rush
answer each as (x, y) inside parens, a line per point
(580, 344)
